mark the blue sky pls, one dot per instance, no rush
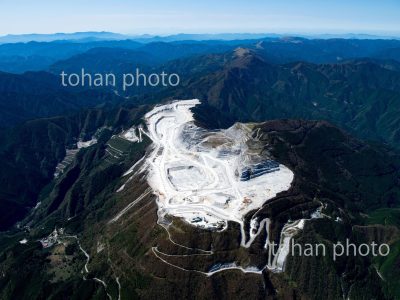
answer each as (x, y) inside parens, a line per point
(200, 16)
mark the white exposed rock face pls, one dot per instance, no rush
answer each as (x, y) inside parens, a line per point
(81, 144)
(197, 173)
(131, 135)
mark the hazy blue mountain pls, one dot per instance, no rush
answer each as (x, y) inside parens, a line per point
(36, 56)
(292, 49)
(147, 38)
(106, 59)
(76, 36)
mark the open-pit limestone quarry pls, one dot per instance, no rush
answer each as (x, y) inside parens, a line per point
(208, 177)
(211, 177)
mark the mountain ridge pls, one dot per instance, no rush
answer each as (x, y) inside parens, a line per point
(360, 96)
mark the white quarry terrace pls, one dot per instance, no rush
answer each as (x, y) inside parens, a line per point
(208, 178)
(70, 155)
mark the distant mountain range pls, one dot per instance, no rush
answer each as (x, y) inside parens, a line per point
(76, 36)
(103, 35)
(39, 56)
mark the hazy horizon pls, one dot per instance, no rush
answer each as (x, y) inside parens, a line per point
(250, 35)
(205, 17)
